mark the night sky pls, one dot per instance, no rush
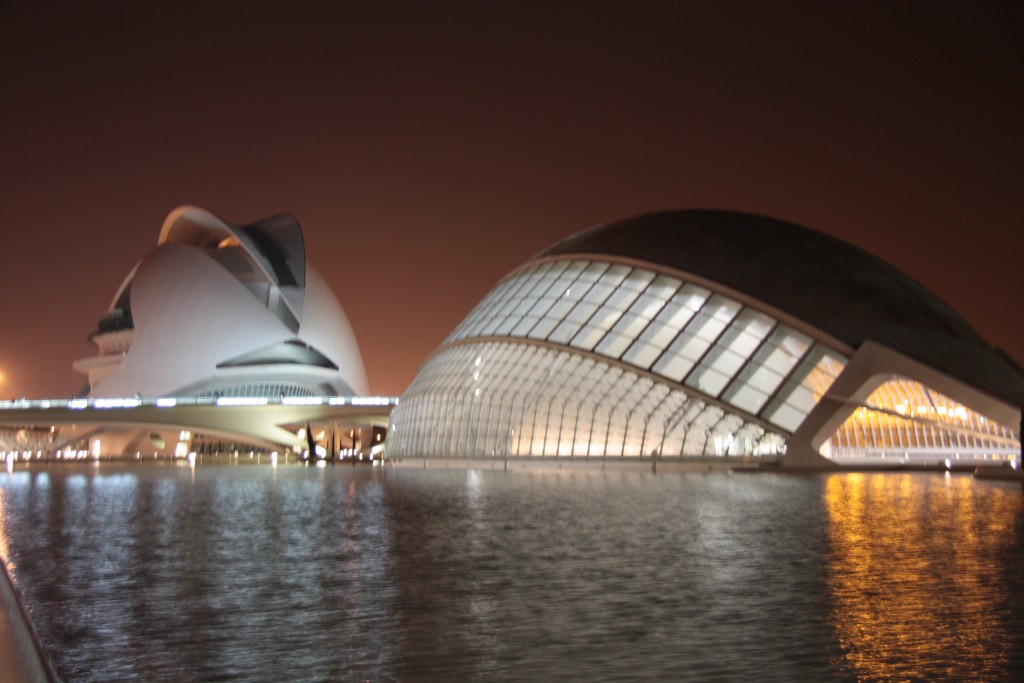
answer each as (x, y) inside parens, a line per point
(428, 148)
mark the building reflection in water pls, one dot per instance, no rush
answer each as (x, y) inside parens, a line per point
(153, 573)
(198, 574)
(917, 574)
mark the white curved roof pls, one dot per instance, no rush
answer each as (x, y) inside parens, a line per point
(216, 305)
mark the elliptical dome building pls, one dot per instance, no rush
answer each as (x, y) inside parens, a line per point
(708, 334)
(223, 310)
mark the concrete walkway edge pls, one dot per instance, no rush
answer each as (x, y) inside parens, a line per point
(22, 657)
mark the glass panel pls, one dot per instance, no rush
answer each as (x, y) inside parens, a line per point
(695, 339)
(664, 287)
(560, 299)
(805, 388)
(590, 303)
(543, 328)
(556, 288)
(592, 333)
(640, 313)
(583, 310)
(748, 330)
(488, 313)
(642, 353)
(666, 325)
(762, 376)
(527, 296)
(747, 397)
(524, 282)
(612, 309)
(730, 352)
(637, 280)
(479, 313)
(710, 381)
(593, 272)
(621, 299)
(714, 371)
(623, 334)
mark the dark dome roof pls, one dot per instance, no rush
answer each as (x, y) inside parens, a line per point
(833, 286)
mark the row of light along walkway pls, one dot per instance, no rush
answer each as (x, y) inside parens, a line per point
(171, 402)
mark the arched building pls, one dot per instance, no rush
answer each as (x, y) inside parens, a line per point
(225, 310)
(233, 327)
(712, 334)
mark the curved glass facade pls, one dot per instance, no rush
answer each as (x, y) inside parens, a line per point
(580, 357)
(502, 399)
(702, 333)
(675, 329)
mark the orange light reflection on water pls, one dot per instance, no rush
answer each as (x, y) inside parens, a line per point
(915, 574)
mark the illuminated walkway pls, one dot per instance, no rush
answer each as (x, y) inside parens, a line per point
(260, 421)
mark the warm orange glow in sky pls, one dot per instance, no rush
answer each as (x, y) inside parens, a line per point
(429, 148)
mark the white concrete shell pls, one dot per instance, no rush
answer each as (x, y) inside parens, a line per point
(218, 309)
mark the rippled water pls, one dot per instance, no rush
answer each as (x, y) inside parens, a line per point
(253, 573)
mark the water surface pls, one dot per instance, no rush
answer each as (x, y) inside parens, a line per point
(253, 573)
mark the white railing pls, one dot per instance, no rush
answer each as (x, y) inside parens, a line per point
(178, 401)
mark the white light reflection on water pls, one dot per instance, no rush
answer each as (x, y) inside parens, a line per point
(249, 573)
